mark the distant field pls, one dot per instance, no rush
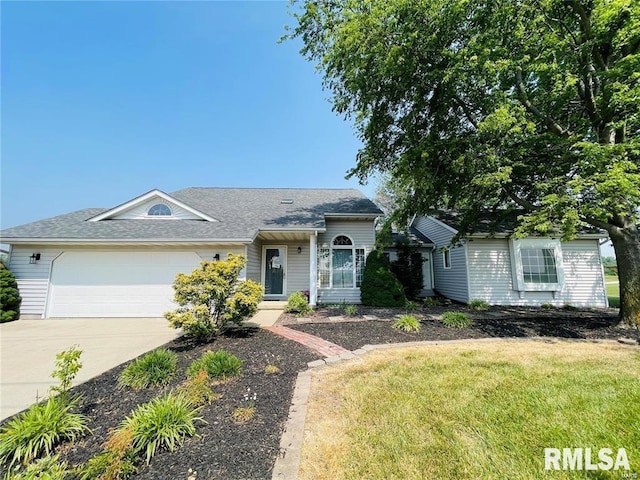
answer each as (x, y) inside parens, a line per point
(613, 290)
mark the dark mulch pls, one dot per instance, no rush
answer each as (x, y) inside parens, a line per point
(223, 448)
(496, 322)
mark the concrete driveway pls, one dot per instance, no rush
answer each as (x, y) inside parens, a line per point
(29, 347)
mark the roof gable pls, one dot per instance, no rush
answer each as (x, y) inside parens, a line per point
(138, 208)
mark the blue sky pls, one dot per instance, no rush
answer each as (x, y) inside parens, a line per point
(103, 101)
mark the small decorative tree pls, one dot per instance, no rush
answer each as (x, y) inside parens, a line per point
(380, 287)
(10, 299)
(211, 296)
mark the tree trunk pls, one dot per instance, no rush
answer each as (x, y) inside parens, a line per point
(626, 243)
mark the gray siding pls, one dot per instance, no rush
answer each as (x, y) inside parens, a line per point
(254, 257)
(33, 279)
(362, 233)
(491, 277)
(452, 282)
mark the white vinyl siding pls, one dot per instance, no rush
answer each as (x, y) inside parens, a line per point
(362, 235)
(34, 279)
(490, 274)
(141, 211)
(451, 282)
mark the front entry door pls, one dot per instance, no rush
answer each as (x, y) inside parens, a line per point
(274, 269)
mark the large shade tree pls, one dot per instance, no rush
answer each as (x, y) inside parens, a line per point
(530, 104)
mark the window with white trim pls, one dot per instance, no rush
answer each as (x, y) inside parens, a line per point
(446, 258)
(537, 264)
(159, 210)
(340, 265)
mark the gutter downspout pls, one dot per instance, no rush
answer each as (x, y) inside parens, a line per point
(313, 269)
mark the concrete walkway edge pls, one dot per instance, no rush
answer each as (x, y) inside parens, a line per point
(287, 465)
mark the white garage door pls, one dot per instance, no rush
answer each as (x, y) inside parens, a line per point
(116, 284)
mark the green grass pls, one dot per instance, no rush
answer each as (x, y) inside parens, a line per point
(613, 290)
(471, 411)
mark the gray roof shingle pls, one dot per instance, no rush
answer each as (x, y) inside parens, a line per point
(241, 212)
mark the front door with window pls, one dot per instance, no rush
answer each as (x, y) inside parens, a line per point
(274, 269)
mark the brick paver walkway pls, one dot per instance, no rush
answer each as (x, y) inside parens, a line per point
(317, 344)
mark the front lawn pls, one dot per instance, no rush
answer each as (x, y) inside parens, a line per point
(613, 290)
(472, 410)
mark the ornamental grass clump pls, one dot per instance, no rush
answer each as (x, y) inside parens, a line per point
(153, 369)
(456, 320)
(479, 305)
(198, 389)
(162, 423)
(407, 323)
(36, 432)
(218, 365)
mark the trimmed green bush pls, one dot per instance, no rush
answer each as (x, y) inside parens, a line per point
(10, 299)
(380, 287)
(456, 320)
(218, 365)
(297, 303)
(37, 431)
(163, 422)
(154, 368)
(407, 323)
(213, 296)
(477, 304)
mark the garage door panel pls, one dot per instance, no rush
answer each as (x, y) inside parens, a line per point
(116, 284)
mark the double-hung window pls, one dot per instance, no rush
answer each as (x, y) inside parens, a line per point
(340, 265)
(536, 264)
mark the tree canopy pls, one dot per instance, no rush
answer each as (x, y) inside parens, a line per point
(531, 105)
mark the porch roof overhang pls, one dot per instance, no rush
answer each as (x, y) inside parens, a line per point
(288, 234)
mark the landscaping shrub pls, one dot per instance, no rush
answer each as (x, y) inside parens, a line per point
(547, 306)
(154, 368)
(431, 302)
(412, 306)
(47, 468)
(218, 365)
(271, 369)
(37, 431)
(163, 422)
(407, 323)
(298, 303)
(198, 389)
(212, 296)
(350, 310)
(10, 299)
(477, 304)
(408, 268)
(116, 461)
(380, 287)
(456, 320)
(67, 367)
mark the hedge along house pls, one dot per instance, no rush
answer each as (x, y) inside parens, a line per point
(492, 266)
(121, 261)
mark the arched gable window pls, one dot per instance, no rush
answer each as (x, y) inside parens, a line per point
(159, 210)
(340, 265)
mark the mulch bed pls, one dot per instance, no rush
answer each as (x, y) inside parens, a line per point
(226, 450)
(223, 448)
(353, 333)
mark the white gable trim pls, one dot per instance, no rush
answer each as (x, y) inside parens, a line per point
(147, 196)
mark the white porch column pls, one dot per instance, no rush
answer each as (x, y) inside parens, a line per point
(313, 269)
